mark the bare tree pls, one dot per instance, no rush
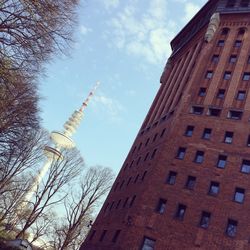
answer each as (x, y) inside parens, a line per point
(80, 207)
(31, 30)
(61, 172)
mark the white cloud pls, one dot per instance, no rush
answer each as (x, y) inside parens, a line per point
(144, 34)
(111, 3)
(84, 30)
(190, 10)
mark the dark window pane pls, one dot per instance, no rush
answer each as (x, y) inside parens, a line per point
(161, 207)
(190, 182)
(214, 112)
(236, 115)
(202, 92)
(246, 76)
(181, 153)
(241, 95)
(189, 131)
(233, 59)
(163, 132)
(248, 141)
(116, 235)
(103, 235)
(231, 228)
(228, 137)
(171, 178)
(205, 218)
(143, 176)
(239, 195)
(215, 58)
(197, 110)
(245, 166)
(180, 212)
(207, 133)
(132, 201)
(221, 43)
(199, 157)
(209, 74)
(237, 43)
(224, 31)
(221, 93)
(227, 75)
(92, 235)
(214, 188)
(222, 160)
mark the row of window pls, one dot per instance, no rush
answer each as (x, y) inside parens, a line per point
(213, 190)
(232, 114)
(227, 75)
(232, 60)
(232, 3)
(207, 133)
(156, 123)
(240, 96)
(128, 202)
(129, 181)
(222, 158)
(204, 220)
(104, 235)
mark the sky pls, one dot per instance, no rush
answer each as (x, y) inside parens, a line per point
(124, 44)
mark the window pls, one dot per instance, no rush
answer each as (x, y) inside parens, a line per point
(246, 76)
(202, 92)
(125, 202)
(215, 58)
(237, 43)
(189, 131)
(153, 154)
(221, 93)
(131, 164)
(148, 244)
(227, 75)
(205, 218)
(180, 212)
(241, 95)
(181, 153)
(248, 60)
(118, 204)
(129, 180)
(146, 156)
(232, 59)
(116, 235)
(171, 178)
(197, 110)
(214, 188)
(136, 178)
(239, 195)
(132, 201)
(222, 160)
(190, 182)
(245, 166)
(138, 161)
(139, 146)
(220, 43)
(236, 115)
(163, 132)
(214, 112)
(147, 142)
(244, 3)
(103, 235)
(199, 157)
(248, 141)
(209, 74)
(161, 206)
(155, 136)
(231, 227)
(207, 133)
(228, 137)
(134, 149)
(92, 235)
(230, 3)
(122, 184)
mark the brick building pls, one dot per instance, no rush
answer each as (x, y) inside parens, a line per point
(185, 183)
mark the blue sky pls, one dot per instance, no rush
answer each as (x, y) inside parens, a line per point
(123, 44)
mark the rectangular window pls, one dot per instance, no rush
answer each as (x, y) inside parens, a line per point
(233, 59)
(202, 92)
(246, 76)
(221, 94)
(143, 176)
(209, 74)
(205, 219)
(214, 188)
(248, 141)
(129, 180)
(190, 182)
(221, 43)
(132, 201)
(227, 75)
(248, 60)
(125, 202)
(231, 227)
(147, 142)
(180, 212)
(146, 156)
(155, 137)
(148, 244)
(171, 178)
(222, 160)
(239, 195)
(181, 153)
(103, 235)
(136, 178)
(245, 166)
(237, 43)
(138, 161)
(197, 110)
(228, 137)
(189, 131)
(214, 112)
(161, 206)
(118, 204)
(116, 235)
(241, 95)
(215, 58)
(207, 133)
(199, 157)
(235, 115)
(163, 132)
(153, 154)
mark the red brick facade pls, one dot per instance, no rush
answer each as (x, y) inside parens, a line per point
(181, 159)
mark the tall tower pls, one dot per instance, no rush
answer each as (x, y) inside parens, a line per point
(185, 183)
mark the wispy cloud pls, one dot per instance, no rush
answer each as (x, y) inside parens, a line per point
(190, 10)
(84, 30)
(111, 3)
(144, 34)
